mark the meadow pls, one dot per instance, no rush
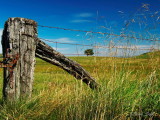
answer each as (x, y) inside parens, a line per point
(129, 90)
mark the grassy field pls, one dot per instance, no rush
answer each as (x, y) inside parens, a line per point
(130, 90)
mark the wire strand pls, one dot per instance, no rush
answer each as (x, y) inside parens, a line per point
(103, 33)
(99, 46)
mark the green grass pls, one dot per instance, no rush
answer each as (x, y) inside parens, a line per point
(130, 90)
(155, 54)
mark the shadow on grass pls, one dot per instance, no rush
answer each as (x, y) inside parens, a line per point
(1, 102)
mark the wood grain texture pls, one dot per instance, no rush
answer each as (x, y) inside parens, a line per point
(19, 83)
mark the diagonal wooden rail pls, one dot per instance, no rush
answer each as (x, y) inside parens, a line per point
(48, 54)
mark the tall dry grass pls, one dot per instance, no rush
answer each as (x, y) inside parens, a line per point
(129, 91)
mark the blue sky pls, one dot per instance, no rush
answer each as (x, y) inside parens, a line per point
(96, 15)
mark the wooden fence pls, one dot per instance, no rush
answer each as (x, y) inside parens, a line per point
(20, 47)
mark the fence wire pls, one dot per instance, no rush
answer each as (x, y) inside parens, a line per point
(99, 46)
(120, 41)
(105, 33)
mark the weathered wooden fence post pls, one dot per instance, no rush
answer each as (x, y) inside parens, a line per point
(18, 41)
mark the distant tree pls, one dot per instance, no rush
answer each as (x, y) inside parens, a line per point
(88, 52)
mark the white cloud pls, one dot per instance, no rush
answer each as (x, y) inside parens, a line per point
(80, 21)
(120, 11)
(81, 18)
(84, 15)
(137, 46)
(60, 49)
(63, 50)
(64, 40)
(124, 50)
(1, 30)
